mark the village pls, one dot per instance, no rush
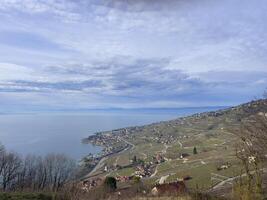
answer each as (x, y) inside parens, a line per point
(170, 148)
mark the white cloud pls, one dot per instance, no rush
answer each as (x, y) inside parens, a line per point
(123, 54)
(10, 72)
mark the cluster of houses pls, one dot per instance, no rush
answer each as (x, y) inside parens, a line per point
(88, 185)
(224, 166)
(100, 139)
(124, 179)
(143, 171)
(164, 138)
(110, 141)
(158, 159)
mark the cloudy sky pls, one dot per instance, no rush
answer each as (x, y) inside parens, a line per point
(97, 54)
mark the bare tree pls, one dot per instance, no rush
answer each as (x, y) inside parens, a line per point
(41, 179)
(2, 158)
(11, 167)
(27, 176)
(59, 170)
(252, 149)
(34, 173)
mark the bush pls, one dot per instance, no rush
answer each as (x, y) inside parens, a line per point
(110, 184)
(25, 196)
(195, 150)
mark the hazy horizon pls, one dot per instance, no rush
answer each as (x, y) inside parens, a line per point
(62, 133)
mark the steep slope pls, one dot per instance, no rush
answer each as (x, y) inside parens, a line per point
(167, 148)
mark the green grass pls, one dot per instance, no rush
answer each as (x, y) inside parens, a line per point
(123, 172)
(25, 196)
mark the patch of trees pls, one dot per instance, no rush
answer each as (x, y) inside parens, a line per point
(195, 150)
(110, 184)
(137, 161)
(34, 173)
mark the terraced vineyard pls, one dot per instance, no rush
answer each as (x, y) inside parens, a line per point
(212, 134)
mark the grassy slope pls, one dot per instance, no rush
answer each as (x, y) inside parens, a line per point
(212, 135)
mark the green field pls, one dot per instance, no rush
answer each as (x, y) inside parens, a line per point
(211, 133)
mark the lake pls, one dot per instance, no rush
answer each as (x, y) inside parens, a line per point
(62, 133)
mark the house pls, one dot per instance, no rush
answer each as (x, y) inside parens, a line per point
(224, 166)
(87, 185)
(169, 188)
(159, 158)
(123, 178)
(184, 155)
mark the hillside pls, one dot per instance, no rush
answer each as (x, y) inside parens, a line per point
(164, 151)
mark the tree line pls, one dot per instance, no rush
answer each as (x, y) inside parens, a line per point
(34, 173)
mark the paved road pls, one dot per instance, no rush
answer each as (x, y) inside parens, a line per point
(129, 143)
(101, 163)
(97, 167)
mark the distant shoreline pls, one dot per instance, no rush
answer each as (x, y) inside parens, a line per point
(101, 157)
(125, 111)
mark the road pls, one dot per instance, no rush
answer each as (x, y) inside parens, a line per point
(129, 143)
(101, 163)
(221, 184)
(97, 167)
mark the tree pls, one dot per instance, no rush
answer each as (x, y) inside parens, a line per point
(251, 150)
(134, 159)
(110, 184)
(34, 173)
(2, 158)
(11, 167)
(195, 150)
(59, 170)
(136, 179)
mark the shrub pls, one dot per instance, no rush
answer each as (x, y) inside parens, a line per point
(195, 150)
(110, 184)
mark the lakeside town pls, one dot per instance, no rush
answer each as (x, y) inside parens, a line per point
(173, 147)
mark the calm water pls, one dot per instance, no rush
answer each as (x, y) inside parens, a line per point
(62, 133)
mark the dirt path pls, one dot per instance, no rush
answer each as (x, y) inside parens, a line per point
(164, 151)
(155, 172)
(229, 180)
(116, 161)
(181, 145)
(145, 156)
(163, 179)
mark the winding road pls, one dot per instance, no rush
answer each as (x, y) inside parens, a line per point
(101, 163)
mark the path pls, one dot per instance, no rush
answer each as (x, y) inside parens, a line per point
(164, 151)
(127, 142)
(101, 163)
(98, 166)
(116, 161)
(163, 179)
(231, 179)
(155, 172)
(181, 145)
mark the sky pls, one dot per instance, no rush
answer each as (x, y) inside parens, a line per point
(131, 54)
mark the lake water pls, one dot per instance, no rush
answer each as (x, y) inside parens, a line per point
(62, 133)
